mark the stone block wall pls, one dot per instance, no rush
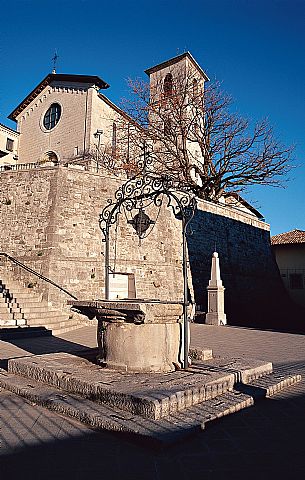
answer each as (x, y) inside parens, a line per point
(50, 223)
(49, 220)
(254, 292)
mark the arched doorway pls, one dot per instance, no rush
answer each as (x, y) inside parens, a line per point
(50, 158)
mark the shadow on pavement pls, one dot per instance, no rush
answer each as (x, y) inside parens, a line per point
(263, 442)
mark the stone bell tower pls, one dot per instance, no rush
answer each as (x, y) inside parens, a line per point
(178, 78)
(164, 75)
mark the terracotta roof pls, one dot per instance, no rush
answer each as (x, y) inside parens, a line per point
(294, 236)
(60, 77)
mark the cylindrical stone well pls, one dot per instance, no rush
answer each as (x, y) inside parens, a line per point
(149, 347)
(140, 337)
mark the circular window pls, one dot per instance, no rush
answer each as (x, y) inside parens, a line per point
(52, 116)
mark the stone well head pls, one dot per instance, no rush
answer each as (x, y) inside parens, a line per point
(137, 336)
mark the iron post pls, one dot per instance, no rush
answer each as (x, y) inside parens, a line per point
(185, 296)
(107, 265)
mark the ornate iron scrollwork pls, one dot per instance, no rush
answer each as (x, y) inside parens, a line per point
(140, 192)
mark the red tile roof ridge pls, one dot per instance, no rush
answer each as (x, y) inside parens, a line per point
(293, 236)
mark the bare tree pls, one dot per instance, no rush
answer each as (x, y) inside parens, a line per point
(194, 137)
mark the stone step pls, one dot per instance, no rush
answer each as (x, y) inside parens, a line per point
(268, 385)
(6, 315)
(15, 309)
(150, 395)
(11, 282)
(7, 303)
(69, 327)
(46, 319)
(13, 285)
(21, 322)
(11, 312)
(46, 313)
(4, 308)
(8, 323)
(16, 291)
(58, 327)
(166, 430)
(25, 295)
(33, 306)
(13, 322)
(18, 315)
(4, 297)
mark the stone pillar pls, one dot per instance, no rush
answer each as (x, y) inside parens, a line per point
(215, 315)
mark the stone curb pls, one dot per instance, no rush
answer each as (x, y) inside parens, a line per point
(167, 430)
(150, 395)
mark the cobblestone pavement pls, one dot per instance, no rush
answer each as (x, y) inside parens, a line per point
(265, 441)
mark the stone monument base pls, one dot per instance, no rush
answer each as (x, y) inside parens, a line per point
(216, 319)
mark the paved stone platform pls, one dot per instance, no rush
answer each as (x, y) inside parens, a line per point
(166, 430)
(262, 442)
(150, 395)
(162, 407)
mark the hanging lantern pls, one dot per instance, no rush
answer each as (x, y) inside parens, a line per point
(141, 222)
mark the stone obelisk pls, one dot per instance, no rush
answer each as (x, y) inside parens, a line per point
(215, 314)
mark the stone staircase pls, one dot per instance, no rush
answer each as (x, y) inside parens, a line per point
(21, 306)
(162, 408)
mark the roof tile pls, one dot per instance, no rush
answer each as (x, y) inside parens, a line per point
(294, 236)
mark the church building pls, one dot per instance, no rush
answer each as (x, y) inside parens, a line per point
(52, 193)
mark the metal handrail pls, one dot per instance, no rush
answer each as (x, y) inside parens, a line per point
(39, 275)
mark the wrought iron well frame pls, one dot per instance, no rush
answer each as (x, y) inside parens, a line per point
(132, 195)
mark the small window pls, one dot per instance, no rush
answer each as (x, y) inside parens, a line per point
(168, 85)
(114, 139)
(296, 281)
(52, 116)
(9, 144)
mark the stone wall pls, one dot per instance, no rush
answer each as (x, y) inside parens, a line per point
(254, 291)
(49, 220)
(50, 223)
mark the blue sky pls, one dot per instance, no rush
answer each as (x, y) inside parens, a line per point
(256, 48)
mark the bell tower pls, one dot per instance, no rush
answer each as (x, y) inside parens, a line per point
(177, 70)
